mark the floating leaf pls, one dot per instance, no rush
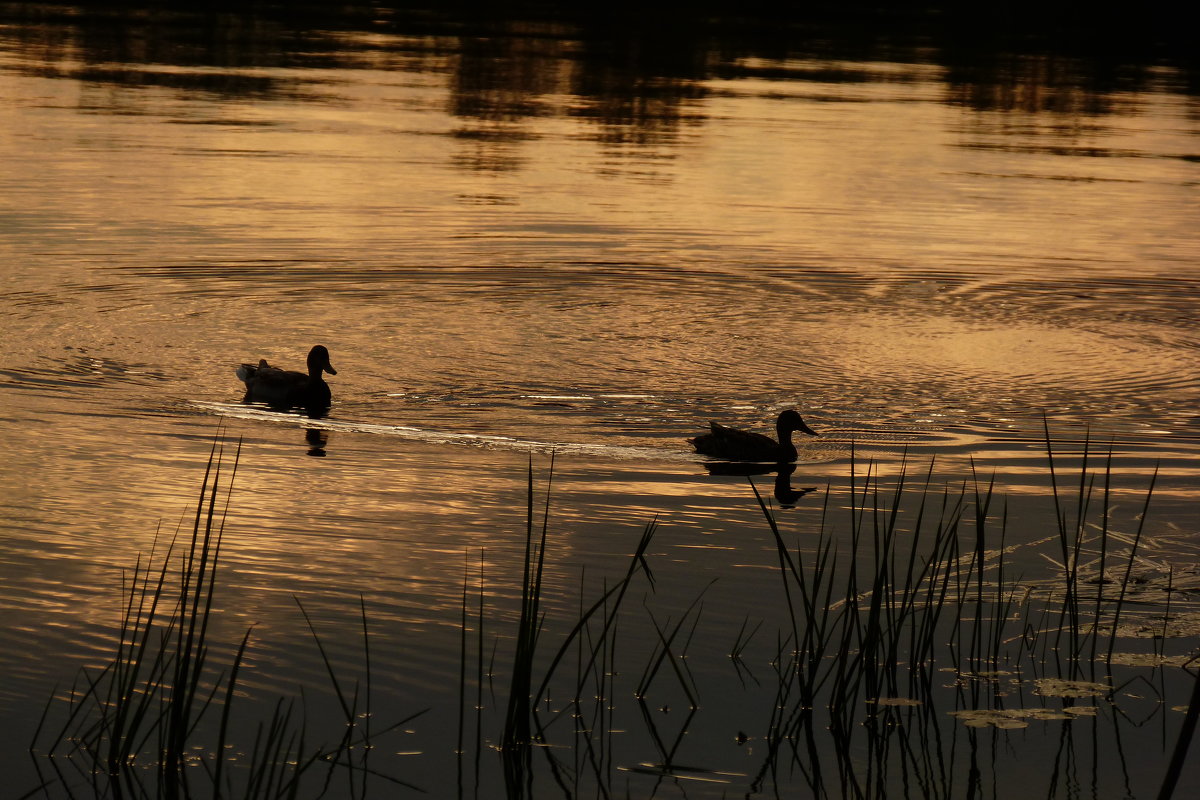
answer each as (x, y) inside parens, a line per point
(983, 717)
(1046, 713)
(1060, 687)
(1081, 711)
(1012, 718)
(1008, 724)
(895, 701)
(1172, 628)
(986, 675)
(1148, 660)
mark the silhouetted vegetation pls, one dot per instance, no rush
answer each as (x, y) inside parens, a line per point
(905, 645)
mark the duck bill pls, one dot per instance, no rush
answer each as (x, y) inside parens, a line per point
(329, 368)
(807, 430)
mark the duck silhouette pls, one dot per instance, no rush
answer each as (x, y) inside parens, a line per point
(737, 445)
(283, 389)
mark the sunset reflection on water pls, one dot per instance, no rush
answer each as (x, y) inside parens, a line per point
(568, 234)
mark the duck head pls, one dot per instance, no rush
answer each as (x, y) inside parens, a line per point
(318, 361)
(791, 421)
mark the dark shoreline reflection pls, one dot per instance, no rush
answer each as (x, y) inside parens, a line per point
(785, 494)
(639, 74)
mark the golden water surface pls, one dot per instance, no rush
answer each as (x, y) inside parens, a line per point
(525, 235)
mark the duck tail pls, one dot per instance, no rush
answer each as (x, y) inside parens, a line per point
(246, 372)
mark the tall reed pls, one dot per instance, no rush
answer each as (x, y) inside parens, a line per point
(905, 583)
(141, 724)
(926, 582)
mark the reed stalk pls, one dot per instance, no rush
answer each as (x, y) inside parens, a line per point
(911, 579)
(143, 719)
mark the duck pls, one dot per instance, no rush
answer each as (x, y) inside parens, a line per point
(733, 444)
(287, 389)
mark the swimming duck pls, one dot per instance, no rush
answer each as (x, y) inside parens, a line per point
(286, 389)
(738, 445)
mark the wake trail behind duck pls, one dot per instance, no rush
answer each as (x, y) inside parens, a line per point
(263, 414)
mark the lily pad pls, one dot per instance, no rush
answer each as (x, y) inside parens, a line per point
(987, 674)
(982, 717)
(1148, 660)
(1080, 711)
(1047, 713)
(1060, 687)
(895, 701)
(1179, 626)
(1013, 718)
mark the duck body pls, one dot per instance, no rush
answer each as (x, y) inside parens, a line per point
(734, 444)
(285, 389)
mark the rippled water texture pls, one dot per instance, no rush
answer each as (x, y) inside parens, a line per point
(578, 233)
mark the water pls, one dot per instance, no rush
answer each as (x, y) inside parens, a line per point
(542, 232)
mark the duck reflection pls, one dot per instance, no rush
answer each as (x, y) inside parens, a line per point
(317, 439)
(785, 494)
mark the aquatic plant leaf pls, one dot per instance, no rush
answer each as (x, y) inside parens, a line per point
(1060, 687)
(1013, 718)
(895, 701)
(1046, 713)
(1006, 724)
(1148, 660)
(1176, 627)
(990, 675)
(983, 717)
(1080, 711)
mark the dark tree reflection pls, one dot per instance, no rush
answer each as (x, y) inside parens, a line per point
(640, 72)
